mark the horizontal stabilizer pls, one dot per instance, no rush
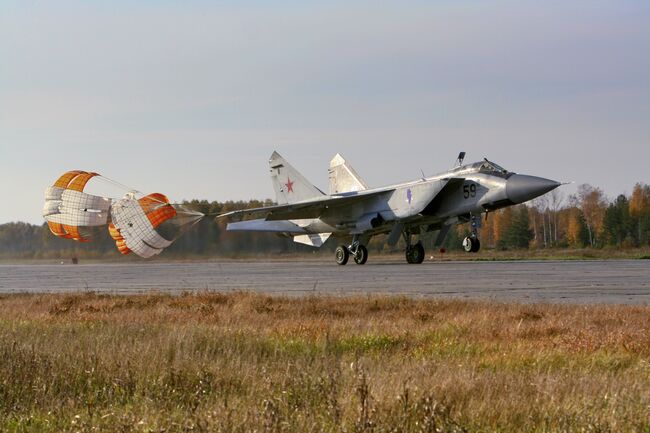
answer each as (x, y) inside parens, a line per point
(315, 240)
(261, 225)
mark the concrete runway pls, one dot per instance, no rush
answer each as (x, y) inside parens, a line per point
(588, 282)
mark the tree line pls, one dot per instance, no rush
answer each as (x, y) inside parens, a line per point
(584, 219)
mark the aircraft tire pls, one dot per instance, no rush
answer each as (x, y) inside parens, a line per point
(409, 260)
(419, 253)
(342, 255)
(361, 257)
(476, 245)
(468, 245)
(415, 254)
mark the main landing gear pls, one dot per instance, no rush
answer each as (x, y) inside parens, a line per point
(471, 244)
(414, 253)
(357, 251)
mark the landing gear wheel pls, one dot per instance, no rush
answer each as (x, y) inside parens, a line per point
(342, 255)
(467, 244)
(415, 254)
(361, 255)
(471, 245)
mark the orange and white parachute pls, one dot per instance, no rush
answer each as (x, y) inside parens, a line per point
(134, 224)
(67, 208)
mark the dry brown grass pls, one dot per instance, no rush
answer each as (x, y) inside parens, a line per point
(246, 362)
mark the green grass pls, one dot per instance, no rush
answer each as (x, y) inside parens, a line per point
(243, 362)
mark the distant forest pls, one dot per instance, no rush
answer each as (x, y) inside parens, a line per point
(586, 219)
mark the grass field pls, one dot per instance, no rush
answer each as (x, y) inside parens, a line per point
(244, 362)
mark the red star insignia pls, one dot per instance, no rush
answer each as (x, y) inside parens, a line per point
(289, 185)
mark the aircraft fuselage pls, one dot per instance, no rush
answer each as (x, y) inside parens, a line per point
(351, 209)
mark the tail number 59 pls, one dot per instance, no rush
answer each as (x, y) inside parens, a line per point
(469, 190)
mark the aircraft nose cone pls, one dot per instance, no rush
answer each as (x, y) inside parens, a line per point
(521, 188)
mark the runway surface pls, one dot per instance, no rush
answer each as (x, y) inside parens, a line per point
(621, 282)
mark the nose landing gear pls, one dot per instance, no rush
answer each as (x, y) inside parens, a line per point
(471, 244)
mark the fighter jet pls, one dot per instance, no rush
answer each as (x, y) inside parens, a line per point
(354, 212)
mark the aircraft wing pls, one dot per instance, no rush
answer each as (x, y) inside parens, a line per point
(261, 225)
(306, 209)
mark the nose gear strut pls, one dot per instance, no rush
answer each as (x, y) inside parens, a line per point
(472, 244)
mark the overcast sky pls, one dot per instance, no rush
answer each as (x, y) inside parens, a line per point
(190, 98)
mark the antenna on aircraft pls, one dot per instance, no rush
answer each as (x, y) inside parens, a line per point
(460, 159)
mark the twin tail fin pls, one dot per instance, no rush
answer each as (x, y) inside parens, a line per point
(290, 186)
(343, 178)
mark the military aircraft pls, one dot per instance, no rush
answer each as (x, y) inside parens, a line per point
(353, 211)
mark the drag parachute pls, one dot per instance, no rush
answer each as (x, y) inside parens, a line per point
(135, 222)
(68, 209)
(144, 226)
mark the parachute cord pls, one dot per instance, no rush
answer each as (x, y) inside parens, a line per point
(133, 190)
(185, 227)
(121, 185)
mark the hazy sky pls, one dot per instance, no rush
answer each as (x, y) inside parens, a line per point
(190, 98)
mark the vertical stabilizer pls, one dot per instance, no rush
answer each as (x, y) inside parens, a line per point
(343, 178)
(290, 186)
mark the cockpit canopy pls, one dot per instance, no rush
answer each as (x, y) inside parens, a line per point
(485, 166)
(490, 167)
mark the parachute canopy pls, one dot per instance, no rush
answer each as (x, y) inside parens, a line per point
(144, 226)
(67, 207)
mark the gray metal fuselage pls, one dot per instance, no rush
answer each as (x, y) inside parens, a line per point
(351, 209)
(431, 202)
